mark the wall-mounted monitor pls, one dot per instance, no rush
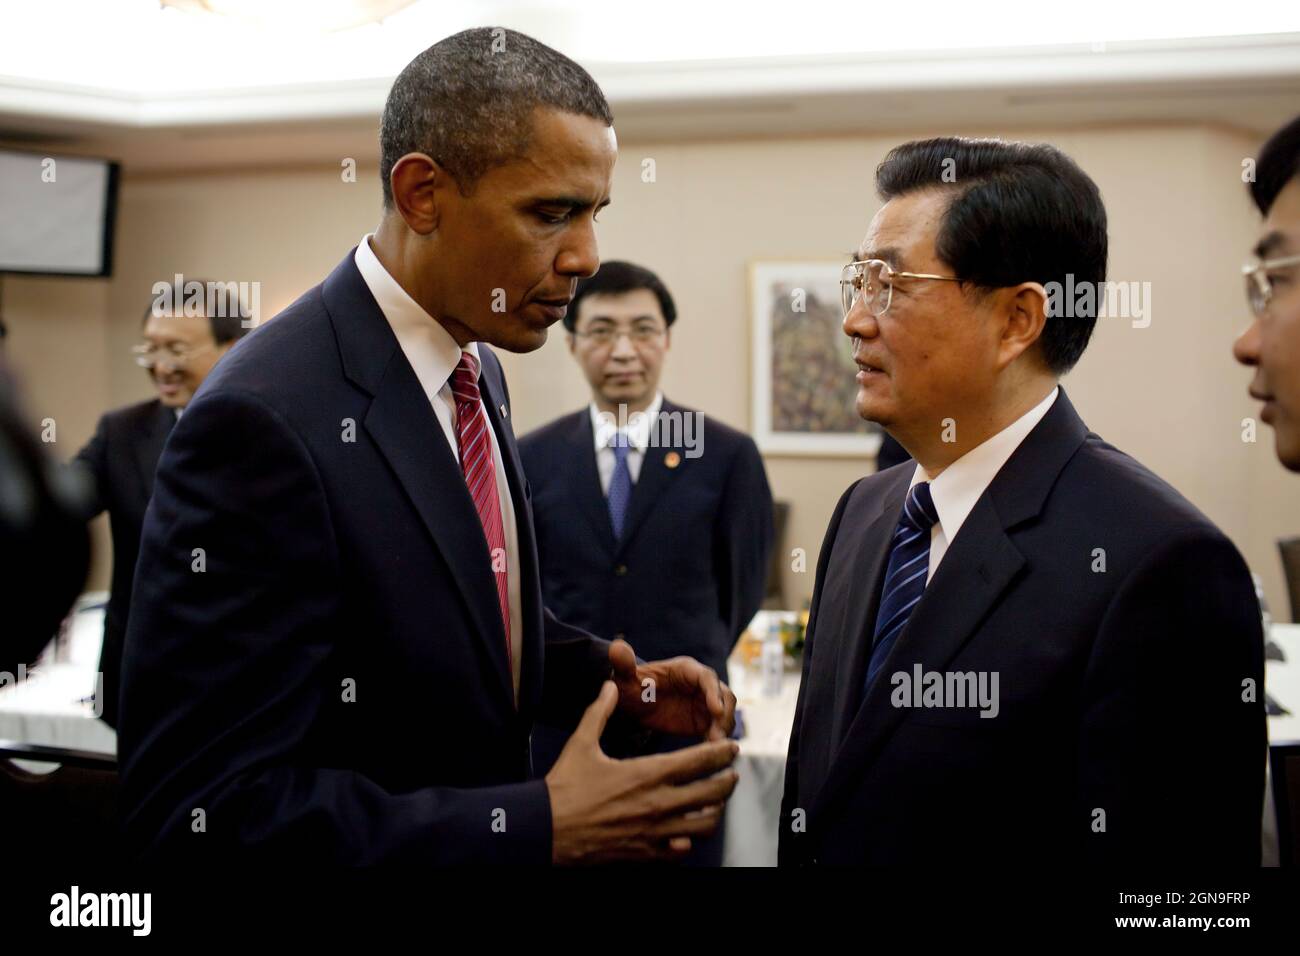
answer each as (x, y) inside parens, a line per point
(56, 214)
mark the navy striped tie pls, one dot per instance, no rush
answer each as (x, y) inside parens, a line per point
(905, 576)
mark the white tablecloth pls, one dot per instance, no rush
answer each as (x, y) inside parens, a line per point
(754, 810)
(48, 708)
(1282, 680)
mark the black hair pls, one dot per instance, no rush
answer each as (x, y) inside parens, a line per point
(1020, 212)
(1277, 165)
(467, 102)
(227, 322)
(616, 277)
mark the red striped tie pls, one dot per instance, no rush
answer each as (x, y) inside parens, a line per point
(480, 475)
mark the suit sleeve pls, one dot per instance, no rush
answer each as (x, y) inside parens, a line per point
(743, 539)
(577, 663)
(233, 615)
(1173, 738)
(92, 461)
(787, 838)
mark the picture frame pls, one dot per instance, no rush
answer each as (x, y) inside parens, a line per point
(802, 370)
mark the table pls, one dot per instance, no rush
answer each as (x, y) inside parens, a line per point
(754, 810)
(48, 708)
(1282, 681)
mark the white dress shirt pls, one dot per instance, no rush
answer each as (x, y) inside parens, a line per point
(434, 355)
(960, 485)
(604, 429)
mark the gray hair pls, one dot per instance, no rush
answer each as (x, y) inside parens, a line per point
(467, 102)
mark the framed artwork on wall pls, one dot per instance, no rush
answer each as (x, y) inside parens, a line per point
(803, 385)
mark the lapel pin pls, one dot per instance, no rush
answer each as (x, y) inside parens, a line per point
(504, 413)
(672, 459)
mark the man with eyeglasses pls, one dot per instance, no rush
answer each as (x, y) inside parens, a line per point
(1024, 648)
(1271, 345)
(178, 352)
(643, 534)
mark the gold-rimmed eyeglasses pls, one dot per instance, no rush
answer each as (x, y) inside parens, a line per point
(150, 356)
(603, 335)
(872, 280)
(1261, 279)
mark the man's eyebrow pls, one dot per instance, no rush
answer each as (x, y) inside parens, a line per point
(888, 254)
(573, 202)
(1274, 242)
(644, 317)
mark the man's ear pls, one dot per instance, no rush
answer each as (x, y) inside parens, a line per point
(419, 185)
(572, 340)
(1024, 310)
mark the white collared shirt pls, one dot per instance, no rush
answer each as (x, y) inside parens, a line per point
(434, 355)
(960, 485)
(604, 430)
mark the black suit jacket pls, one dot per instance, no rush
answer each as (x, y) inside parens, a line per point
(315, 656)
(121, 458)
(1121, 690)
(688, 573)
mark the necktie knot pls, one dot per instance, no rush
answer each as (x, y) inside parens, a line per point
(464, 379)
(919, 512)
(621, 445)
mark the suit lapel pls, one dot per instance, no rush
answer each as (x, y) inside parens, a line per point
(587, 493)
(408, 435)
(654, 479)
(981, 565)
(150, 446)
(863, 568)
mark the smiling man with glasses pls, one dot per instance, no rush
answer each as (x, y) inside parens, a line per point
(1271, 344)
(638, 536)
(178, 353)
(1019, 555)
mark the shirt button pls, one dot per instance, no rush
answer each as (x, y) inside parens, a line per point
(620, 570)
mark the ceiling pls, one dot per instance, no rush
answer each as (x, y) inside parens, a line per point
(188, 107)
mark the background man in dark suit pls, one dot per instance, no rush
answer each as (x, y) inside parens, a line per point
(654, 523)
(1271, 344)
(338, 644)
(1025, 648)
(178, 352)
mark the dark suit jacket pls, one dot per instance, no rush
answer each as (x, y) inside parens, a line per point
(315, 656)
(688, 573)
(121, 459)
(1120, 690)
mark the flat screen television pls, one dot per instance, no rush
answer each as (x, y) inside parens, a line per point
(56, 214)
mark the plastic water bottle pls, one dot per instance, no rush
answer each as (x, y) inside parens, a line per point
(772, 661)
